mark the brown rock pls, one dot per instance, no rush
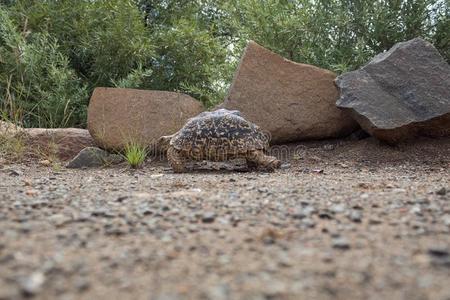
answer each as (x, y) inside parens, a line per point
(290, 100)
(118, 116)
(62, 143)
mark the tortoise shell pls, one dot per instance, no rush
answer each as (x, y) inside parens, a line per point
(221, 131)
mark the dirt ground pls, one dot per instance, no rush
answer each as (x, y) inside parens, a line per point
(340, 220)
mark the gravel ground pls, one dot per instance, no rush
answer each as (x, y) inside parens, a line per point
(341, 220)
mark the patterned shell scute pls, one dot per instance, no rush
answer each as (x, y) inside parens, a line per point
(221, 130)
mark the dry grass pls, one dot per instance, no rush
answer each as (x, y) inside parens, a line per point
(12, 147)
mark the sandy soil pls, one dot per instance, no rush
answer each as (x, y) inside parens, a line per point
(341, 220)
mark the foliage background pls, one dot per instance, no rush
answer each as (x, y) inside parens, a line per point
(53, 53)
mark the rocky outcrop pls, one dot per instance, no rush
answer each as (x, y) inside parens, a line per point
(118, 116)
(400, 94)
(289, 100)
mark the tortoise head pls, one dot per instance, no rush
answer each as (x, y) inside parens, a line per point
(163, 143)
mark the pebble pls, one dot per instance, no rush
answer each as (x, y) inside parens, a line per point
(13, 172)
(338, 208)
(374, 221)
(340, 243)
(32, 284)
(439, 251)
(303, 212)
(208, 217)
(446, 220)
(58, 219)
(441, 191)
(355, 216)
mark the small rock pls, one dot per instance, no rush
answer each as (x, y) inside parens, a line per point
(285, 166)
(208, 217)
(340, 243)
(92, 157)
(303, 212)
(31, 192)
(325, 214)
(374, 221)
(32, 284)
(441, 191)
(440, 256)
(446, 220)
(355, 216)
(438, 251)
(338, 208)
(15, 173)
(308, 222)
(58, 219)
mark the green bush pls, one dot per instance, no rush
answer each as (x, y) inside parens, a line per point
(340, 35)
(36, 84)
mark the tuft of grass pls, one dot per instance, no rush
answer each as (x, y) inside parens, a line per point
(135, 154)
(12, 148)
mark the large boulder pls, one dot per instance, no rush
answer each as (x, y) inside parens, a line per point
(289, 100)
(402, 93)
(119, 116)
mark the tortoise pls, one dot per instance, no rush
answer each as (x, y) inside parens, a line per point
(218, 135)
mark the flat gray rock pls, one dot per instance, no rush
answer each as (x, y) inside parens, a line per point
(92, 157)
(400, 94)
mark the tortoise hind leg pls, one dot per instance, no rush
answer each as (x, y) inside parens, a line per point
(176, 160)
(258, 158)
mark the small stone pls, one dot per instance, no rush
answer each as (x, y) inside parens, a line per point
(58, 219)
(308, 222)
(340, 243)
(374, 221)
(338, 208)
(15, 173)
(325, 214)
(32, 284)
(446, 220)
(355, 216)
(31, 192)
(208, 217)
(285, 166)
(438, 251)
(441, 191)
(92, 157)
(45, 162)
(440, 256)
(303, 212)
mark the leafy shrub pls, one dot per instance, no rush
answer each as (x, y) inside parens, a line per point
(189, 60)
(340, 34)
(105, 40)
(36, 84)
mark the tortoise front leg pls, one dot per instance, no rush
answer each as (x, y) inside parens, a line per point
(258, 158)
(176, 160)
